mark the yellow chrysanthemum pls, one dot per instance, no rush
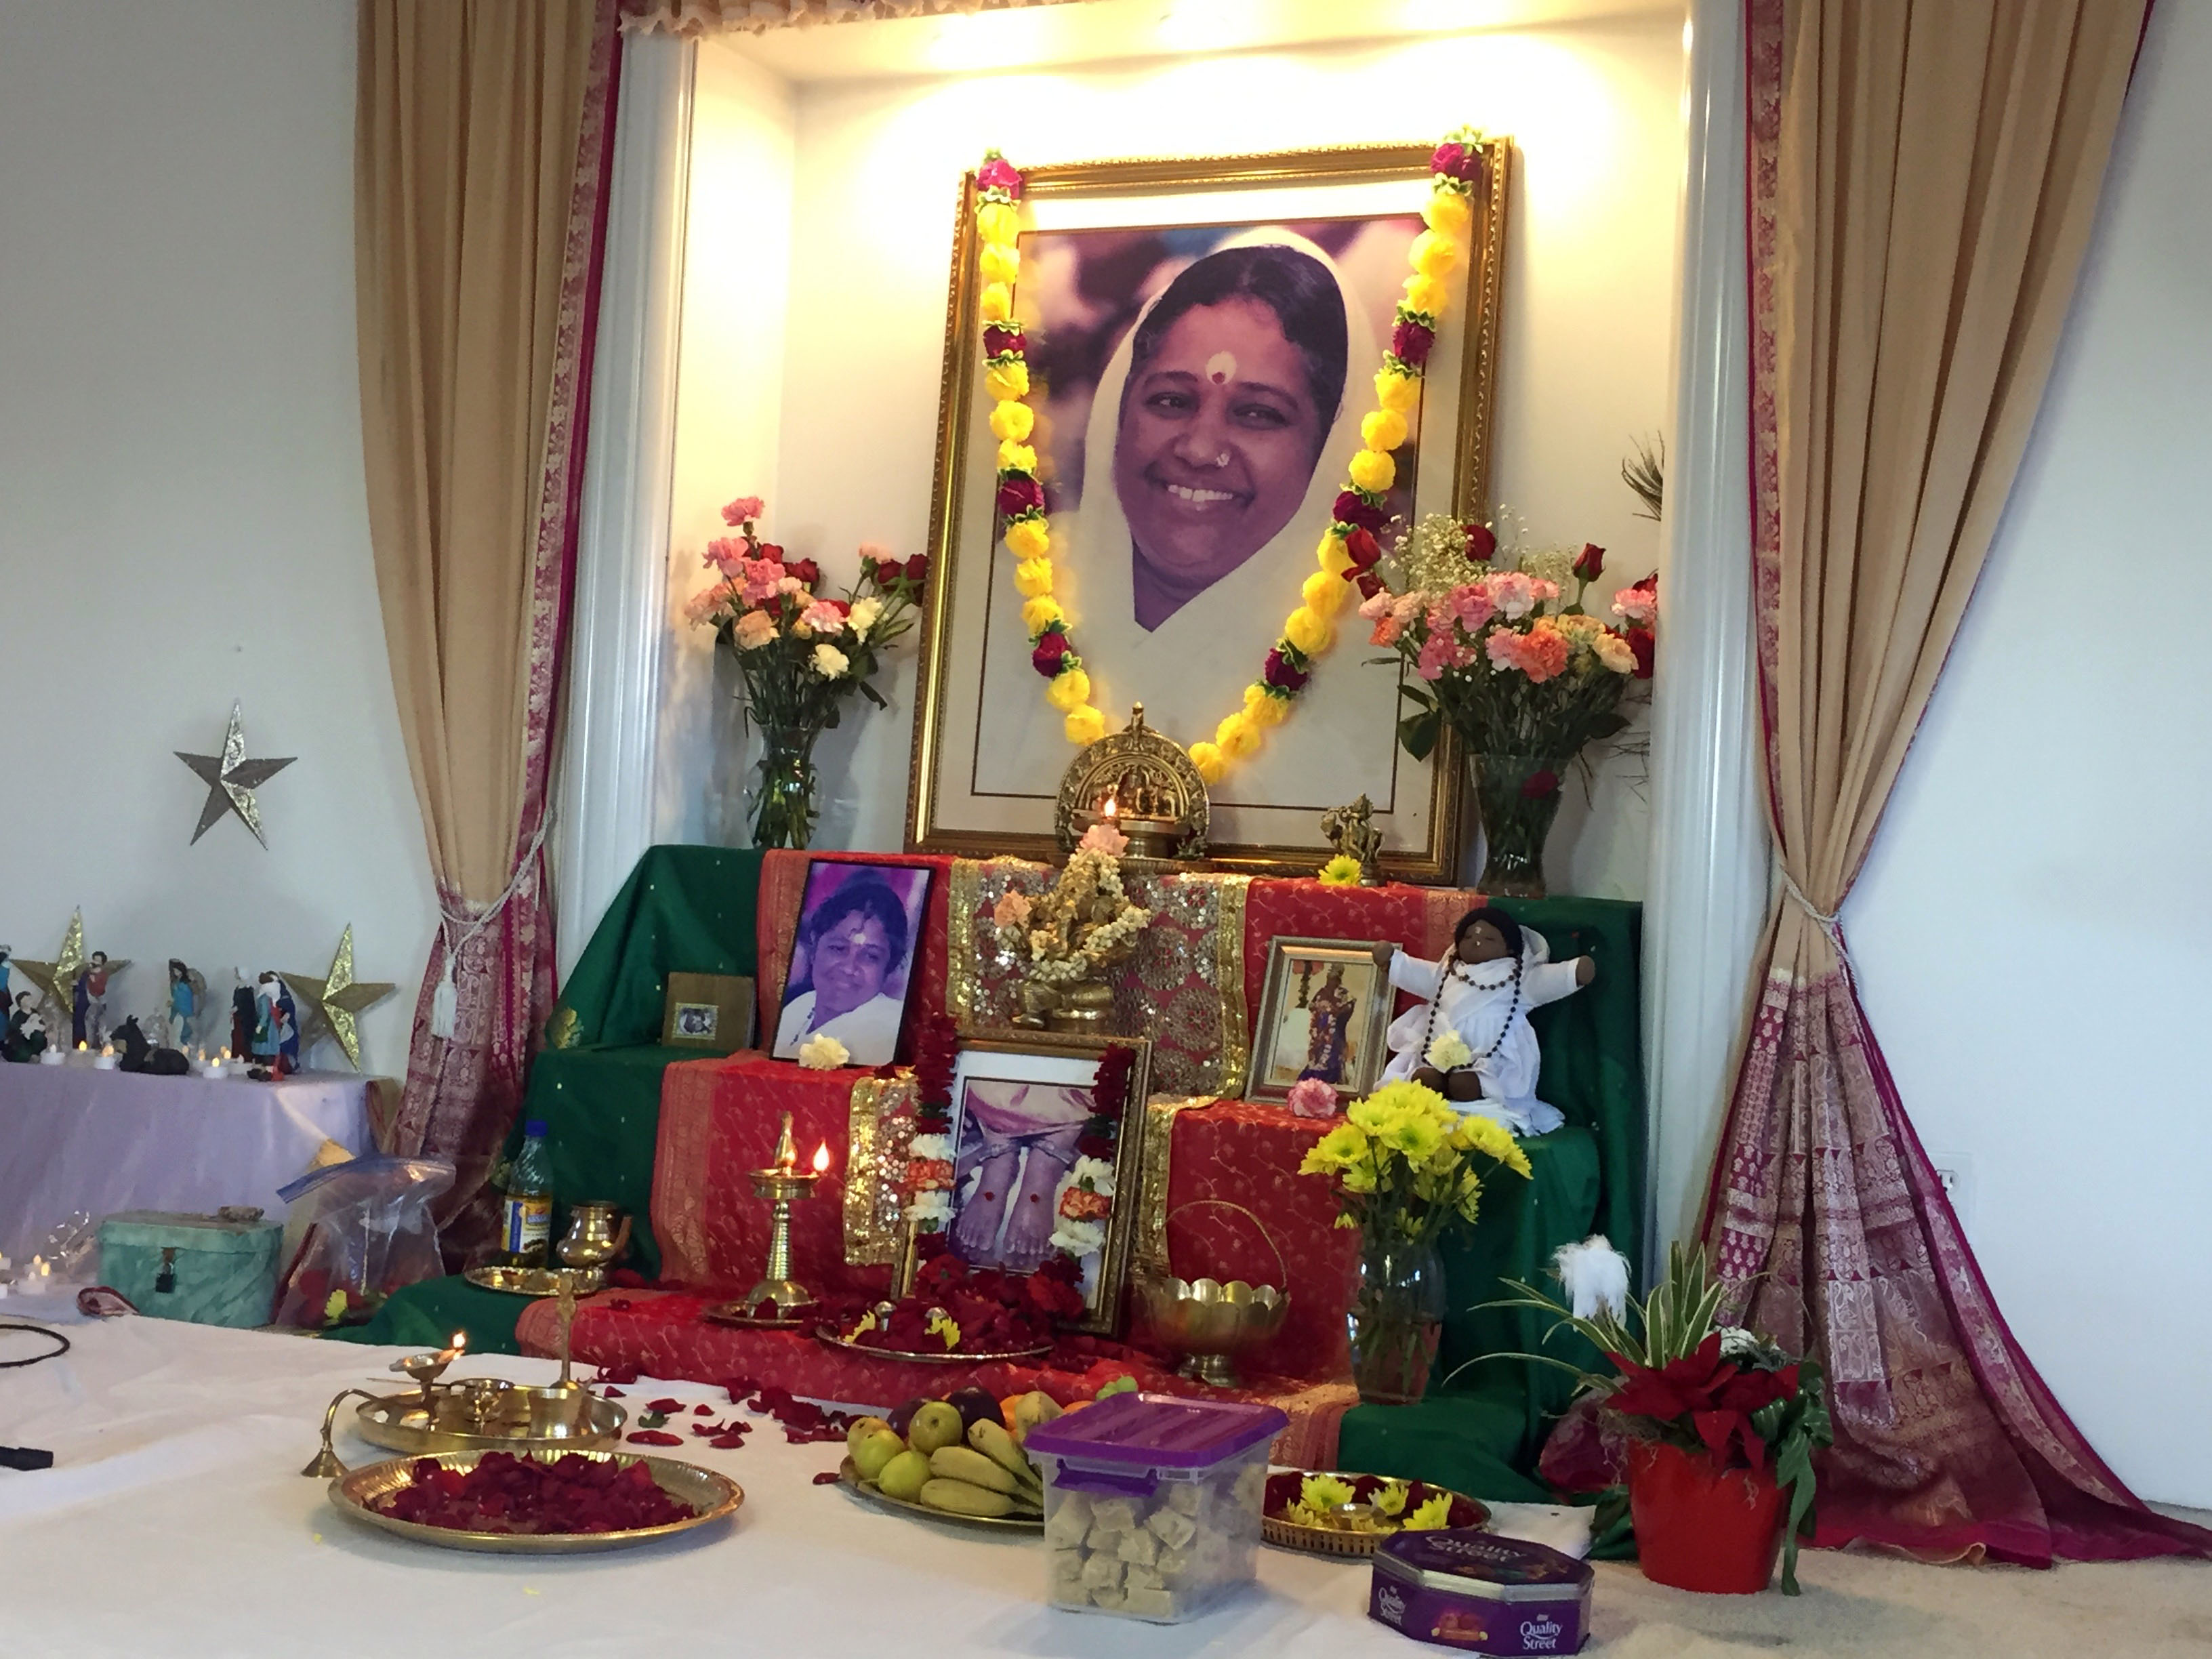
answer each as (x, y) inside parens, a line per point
(1436, 1513)
(1397, 392)
(1333, 558)
(1325, 1492)
(1012, 422)
(1033, 578)
(1213, 765)
(995, 221)
(1359, 1178)
(1342, 871)
(1418, 1137)
(1029, 538)
(1017, 457)
(1390, 1497)
(1006, 381)
(1237, 736)
(1375, 1114)
(1068, 691)
(1324, 594)
(1262, 710)
(1433, 255)
(1373, 471)
(1340, 1148)
(1041, 612)
(1085, 724)
(1000, 262)
(998, 302)
(1406, 1095)
(1383, 429)
(1311, 632)
(1447, 211)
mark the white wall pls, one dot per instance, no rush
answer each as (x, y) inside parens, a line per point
(1594, 110)
(2033, 932)
(182, 513)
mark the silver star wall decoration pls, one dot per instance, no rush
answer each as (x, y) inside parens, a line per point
(231, 780)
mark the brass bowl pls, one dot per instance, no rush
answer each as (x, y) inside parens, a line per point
(520, 1419)
(712, 1497)
(1210, 1321)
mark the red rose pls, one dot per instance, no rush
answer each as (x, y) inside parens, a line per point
(1540, 784)
(998, 174)
(1457, 161)
(1589, 563)
(1281, 673)
(1368, 582)
(1017, 495)
(1350, 509)
(888, 571)
(1646, 649)
(1410, 343)
(805, 569)
(1363, 548)
(1050, 650)
(1095, 1146)
(768, 550)
(997, 338)
(1480, 543)
(917, 568)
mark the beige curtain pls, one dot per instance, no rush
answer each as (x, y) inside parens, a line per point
(753, 16)
(1924, 178)
(481, 133)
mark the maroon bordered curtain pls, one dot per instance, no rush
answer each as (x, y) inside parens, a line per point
(482, 148)
(1923, 179)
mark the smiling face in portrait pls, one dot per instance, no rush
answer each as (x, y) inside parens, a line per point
(850, 961)
(1219, 435)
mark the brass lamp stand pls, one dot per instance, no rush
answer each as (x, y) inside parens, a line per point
(782, 1183)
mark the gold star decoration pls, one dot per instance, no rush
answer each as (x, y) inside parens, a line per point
(339, 997)
(56, 980)
(231, 780)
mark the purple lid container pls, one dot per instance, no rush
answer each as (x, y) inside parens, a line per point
(1504, 1569)
(1159, 1432)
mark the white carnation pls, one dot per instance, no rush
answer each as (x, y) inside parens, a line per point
(821, 1052)
(829, 662)
(864, 615)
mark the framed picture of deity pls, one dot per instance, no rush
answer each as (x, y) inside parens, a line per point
(1045, 1145)
(1322, 1013)
(1163, 405)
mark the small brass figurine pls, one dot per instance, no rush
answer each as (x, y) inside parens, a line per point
(1141, 784)
(1350, 830)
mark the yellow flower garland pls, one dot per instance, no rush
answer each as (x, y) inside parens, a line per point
(1308, 632)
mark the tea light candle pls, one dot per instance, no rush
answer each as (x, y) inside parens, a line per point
(106, 1059)
(51, 1056)
(207, 1067)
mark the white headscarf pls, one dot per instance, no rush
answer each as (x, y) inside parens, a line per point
(1191, 671)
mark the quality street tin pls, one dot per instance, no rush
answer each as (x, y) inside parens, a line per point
(1480, 1593)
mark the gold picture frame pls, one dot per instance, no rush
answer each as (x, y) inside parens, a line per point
(1358, 1047)
(949, 810)
(710, 1012)
(1067, 1060)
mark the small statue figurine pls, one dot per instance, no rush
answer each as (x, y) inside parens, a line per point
(188, 997)
(1470, 1039)
(1350, 830)
(276, 1027)
(27, 1033)
(244, 1014)
(88, 1003)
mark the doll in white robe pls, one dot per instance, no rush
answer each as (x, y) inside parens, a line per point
(1469, 1039)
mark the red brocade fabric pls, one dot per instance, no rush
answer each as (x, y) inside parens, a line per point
(719, 1122)
(660, 1334)
(1236, 1200)
(1416, 919)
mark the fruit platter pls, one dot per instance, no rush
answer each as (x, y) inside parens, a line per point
(540, 1505)
(958, 1459)
(1332, 1514)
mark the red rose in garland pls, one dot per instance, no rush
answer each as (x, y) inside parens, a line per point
(1352, 509)
(1018, 494)
(1363, 550)
(998, 173)
(1455, 160)
(1410, 343)
(1051, 648)
(998, 340)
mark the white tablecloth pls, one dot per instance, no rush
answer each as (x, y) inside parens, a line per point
(74, 1138)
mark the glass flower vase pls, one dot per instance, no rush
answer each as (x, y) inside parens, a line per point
(1396, 1320)
(784, 799)
(1518, 796)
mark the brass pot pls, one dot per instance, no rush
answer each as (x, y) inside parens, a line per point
(1085, 1007)
(1210, 1321)
(594, 1239)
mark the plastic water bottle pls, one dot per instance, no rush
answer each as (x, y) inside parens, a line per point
(526, 1218)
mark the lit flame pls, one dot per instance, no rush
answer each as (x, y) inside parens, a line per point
(1111, 806)
(822, 1159)
(80, 1048)
(460, 1340)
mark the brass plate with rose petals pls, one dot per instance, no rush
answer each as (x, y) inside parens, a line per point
(712, 1497)
(829, 1334)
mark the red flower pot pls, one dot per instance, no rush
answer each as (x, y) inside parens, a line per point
(1702, 1528)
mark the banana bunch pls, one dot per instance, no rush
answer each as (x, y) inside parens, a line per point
(989, 1475)
(963, 1455)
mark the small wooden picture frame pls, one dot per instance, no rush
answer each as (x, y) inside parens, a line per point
(711, 1012)
(1323, 1012)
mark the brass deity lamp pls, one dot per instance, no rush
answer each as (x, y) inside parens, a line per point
(1143, 785)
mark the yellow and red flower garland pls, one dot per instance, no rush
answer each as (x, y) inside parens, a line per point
(1348, 549)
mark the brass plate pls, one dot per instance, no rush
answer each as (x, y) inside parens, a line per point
(527, 1420)
(537, 1281)
(715, 1497)
(868, 1492)
(732, 1314)
(1329, 1540)
(829, 1334)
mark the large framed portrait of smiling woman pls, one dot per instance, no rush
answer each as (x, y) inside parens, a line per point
(1202, 340)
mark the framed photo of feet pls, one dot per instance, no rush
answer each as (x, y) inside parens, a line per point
(1047, 1138)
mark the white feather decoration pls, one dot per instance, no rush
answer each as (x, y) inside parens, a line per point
(1595, 1276)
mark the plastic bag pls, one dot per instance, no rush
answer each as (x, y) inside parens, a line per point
(368, 1232)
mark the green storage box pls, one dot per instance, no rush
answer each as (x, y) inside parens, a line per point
(217, 1269)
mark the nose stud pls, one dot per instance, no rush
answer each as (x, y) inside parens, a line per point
(1222, 459)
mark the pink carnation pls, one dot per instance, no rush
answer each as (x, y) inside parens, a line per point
(703, 604)
(726, 554)
(1543, 589)
(1377, 605)
(1388, 628)
(743, 510)
(1437, 654)
(788, 584)
(1513, 593)
(1013, 910)
(754, 630)
(822, 617)
(1472, 606)
(1638, 605)
(873, 553)
(1312, 1097)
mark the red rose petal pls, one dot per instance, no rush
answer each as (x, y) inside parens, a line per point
(728, 1443)
(654, 1437)
(827, 1478)
(703, 1411)
(665, 1406)
(612, 1393)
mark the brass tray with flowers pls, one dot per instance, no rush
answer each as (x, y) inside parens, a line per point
(1331, 1513)
(535, 1503)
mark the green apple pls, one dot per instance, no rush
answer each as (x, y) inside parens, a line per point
(872, 1455)
(936, 1426)
(904, 1476)
(861, 1428)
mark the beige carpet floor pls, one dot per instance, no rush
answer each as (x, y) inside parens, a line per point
(1871, 1606)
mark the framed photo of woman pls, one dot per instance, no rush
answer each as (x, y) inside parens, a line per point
(1322, 1013)
(851, 958)
(1202, 337)
(1038, 1172)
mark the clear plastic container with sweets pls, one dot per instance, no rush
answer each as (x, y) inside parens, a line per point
(1151, 1503)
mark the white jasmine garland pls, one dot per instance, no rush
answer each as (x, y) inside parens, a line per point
(934, 1148)
(821, 1052)
(935, 1206)
(1078, 1237)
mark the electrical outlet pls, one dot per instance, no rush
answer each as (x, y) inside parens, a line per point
(1956, 1171)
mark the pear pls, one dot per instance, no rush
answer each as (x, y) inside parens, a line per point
(904, 1476)
(871, 1456)
(861, 1428)
(936, 1425)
